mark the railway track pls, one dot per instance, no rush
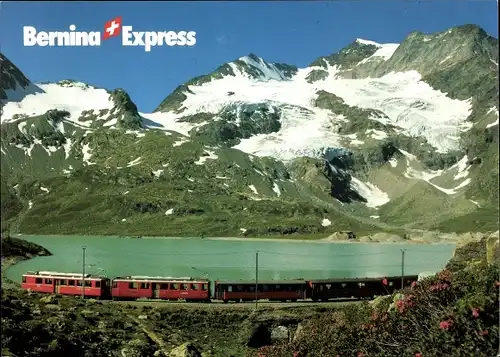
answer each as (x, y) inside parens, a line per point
(242, 305)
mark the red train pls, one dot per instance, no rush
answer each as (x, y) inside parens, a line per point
(202, 290)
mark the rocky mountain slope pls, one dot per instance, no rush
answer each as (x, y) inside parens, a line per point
(376, 137)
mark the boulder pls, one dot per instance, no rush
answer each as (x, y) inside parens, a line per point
(280, 333)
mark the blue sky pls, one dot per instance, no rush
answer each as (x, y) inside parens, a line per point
(291, 32)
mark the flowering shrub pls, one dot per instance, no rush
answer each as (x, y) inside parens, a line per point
(453, 314)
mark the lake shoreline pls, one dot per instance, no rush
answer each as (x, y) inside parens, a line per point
(325, 240)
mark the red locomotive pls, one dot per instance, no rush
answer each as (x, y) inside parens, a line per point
(67, 283)
(200, 290)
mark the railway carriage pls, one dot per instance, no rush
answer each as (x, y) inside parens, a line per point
(360, 288)
(274, 290)
(166, 288)
(67, 284)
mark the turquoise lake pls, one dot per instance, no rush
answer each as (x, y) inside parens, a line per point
(231, 259)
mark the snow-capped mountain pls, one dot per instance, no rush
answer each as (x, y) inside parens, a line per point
(370, 136)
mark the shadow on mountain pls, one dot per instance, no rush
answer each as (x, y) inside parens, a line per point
(151, 124)
(20, 93)
(346, 194)
(340, 181)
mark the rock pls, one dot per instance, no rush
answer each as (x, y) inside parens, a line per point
(299, 332)
(185, 350)
(49, 299)
(386, 237)
(259, 337)
(365, 239)
(341, 236)
(280, 333)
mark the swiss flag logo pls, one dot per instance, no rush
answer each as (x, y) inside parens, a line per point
(112, 28)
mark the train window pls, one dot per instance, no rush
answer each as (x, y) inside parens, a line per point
(164, 286)
(391, 283)
(239, 287)
(174, 286)
(79, 283)
(24, 279)
(195, 286)
(278, 287)
(251, 288)
(115, 284)
(205, 287)
(144, 285)
(361, 285)
(132, 285)
(328, 286)
(38, 280)
(229, 288)
(88, 283)
(97, 284)
(71, 282)
(48, 281)
(184, 286)
(265, 288)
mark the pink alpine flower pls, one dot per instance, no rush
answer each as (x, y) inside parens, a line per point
(475, 312)
(418, 354)
(483, 333)
(444, 325)
(413, 284)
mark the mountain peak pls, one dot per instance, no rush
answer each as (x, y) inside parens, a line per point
(367, 42)
(253, 56)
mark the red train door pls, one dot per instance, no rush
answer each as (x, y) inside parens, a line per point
(156, 290)
(57, 283)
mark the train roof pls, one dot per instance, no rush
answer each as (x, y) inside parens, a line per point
(363, 279)
(267, 282)
(159, 278)
(55, 274)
